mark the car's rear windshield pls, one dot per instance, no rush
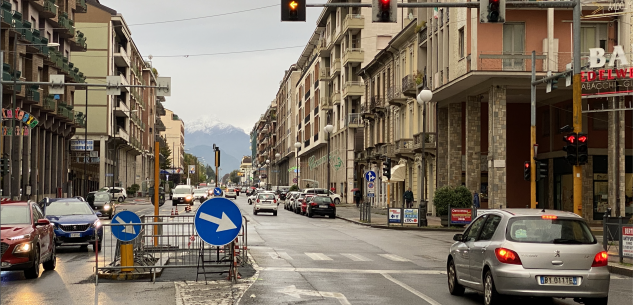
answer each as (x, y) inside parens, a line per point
(549, 231)
(267, 196)
(17, 214)
(322, 200)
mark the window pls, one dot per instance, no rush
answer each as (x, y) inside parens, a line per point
(549, 231)
(593, 36)
(461, 43)
(475, 227)
(513, 44)
(490, 227)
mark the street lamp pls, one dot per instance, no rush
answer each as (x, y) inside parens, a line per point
(268, 171)
(277, 156)
(424, 97)
(328, 129)
(297, 146)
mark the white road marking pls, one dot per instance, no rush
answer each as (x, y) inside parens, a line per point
(279, 255)
(356, 271)
(394, 257)
(410, 289)
(297, 293)
(318, 256)
(356, 257)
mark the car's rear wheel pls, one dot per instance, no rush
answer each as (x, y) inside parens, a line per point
(491, 297)
(596, 301)
(453, 286)
(254, 212)
(51, 263)
(34, 271)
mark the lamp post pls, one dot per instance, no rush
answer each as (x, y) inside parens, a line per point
(277, 155)
(268, 171)
(297, 146)
(328, 129)
(424, 97)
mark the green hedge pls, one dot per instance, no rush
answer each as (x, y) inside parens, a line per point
(456, 197)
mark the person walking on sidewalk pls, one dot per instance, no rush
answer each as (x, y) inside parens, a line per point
(475, 199)
(408, 198)
(357, 197)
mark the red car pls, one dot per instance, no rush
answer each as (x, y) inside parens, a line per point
(28, 239)
(305, 202)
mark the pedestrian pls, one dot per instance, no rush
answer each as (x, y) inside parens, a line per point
(357, 197)
(408, 198)
(475, 199)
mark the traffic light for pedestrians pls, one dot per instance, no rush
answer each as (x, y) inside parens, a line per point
(384, 11)
(386, 168)
(582, 150)
(492, 11)
(571, 147)
(4, 166)
(541, 170)
(526, 170)
(293, 10)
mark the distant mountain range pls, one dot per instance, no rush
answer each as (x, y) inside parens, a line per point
(201, 134)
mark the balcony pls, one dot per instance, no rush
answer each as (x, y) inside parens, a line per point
(46, 8)
(33, 94)
(121, 59)
(353, 88)
(335, 68)
(326, 103)
(354, 120)
(521, 61)
(377, 103)
(66, 26)
(365, 112)
(49, 104)
(430, 141)
(122, 134)
(404, 147)
(353, 23)
(353, 57)
(335, 97)
(324, 74)
(409, 86)
(360, 156)
(123, 81)
(62, 111)
(395, 97)
(79, 43)
(82, 7)
(121, 109)
(80, 120)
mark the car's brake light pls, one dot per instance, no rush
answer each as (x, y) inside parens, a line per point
(601, 259)
(274, 200)
(549, 216)
(313, 204)
(507, 256)
(332, 204)
(257, 200)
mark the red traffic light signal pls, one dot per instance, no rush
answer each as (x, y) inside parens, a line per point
(582, 139)
(571, 138)
(384, 10)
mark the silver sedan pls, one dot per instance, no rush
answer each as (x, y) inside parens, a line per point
(529, 252)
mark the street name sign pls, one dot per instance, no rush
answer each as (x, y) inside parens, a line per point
(126, 233)
(218, 221)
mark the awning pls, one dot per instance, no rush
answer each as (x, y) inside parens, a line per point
(398, 173)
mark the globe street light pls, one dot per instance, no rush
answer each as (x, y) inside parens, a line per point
(268, 171)
(423, 97)
(328, 129)
(297, 146)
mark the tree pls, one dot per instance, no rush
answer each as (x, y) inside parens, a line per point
(234, 177)
(165, 151)
(210, 172)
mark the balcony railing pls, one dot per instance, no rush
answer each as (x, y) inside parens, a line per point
(335, 97)
(353, 88)
(81, 6)
(353, 56)
(404, 146)
(80, 120)
(326, 103)
(521, 61)
(354, 120)
(335, 67)
(409, 86)
(429, 138)
(353, 22)
(49, 103)
(32, 93)
(377, 102)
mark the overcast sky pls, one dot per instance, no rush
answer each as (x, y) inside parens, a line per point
(237, 88)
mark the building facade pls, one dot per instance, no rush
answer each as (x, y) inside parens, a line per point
(174, 137)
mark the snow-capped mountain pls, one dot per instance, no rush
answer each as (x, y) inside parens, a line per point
(202, 133)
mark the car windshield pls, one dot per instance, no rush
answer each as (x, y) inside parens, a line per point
(267, 196)
(200, 191)
(15, 214)
(102, 197)
(549, 231)
(322, 200)
(182, 191)
(64, 208)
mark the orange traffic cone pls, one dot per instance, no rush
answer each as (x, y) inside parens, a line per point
(172, 212)
(176, 212)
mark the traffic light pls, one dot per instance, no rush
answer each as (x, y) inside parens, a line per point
(582, 149)
(552, 85)
(386, 169)
(217, 157)
(541, 170)
(293, 10)
(571, 147)
(4, 166)
(526, 170)
(384, 10)
(492, 11)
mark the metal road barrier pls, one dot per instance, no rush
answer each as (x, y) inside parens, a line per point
(617, 236)
(165, 241)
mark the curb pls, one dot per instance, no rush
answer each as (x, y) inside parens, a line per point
(130, 276)
(400, 227)
(615, 268)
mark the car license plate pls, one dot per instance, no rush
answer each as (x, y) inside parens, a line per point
(560, 280)
(323, 206)
(75, 235)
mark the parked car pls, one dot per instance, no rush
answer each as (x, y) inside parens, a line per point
(183, 195)
(102, 202)
(200, 195)
(119, 193)
(290, 197)
(230, 193)
(265, 202)
(28, 239)
(321, 205)
(529, 252)
(305, 202)
(75, 224)
(336, 198)
(296, 206)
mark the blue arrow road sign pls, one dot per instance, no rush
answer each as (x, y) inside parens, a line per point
(370, 176)
(218, 221)
(126, 233)
(217, 191)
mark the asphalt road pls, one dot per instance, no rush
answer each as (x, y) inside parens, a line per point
(330, 261)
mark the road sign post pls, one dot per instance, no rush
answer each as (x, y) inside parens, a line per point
(126, 233)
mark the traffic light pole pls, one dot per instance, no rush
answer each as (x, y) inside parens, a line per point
(577, 103)
(533, 134)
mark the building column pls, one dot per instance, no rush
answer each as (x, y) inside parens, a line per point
(26, 160)
(473, 144)
(49, 163)
(587, 190)
(35, 168)
(613, 156)
(442, 147)
(497, 147)
(349, 160)
(42, 163)
(455, 144)
(102, 163)
(621, 156)
(54, 163)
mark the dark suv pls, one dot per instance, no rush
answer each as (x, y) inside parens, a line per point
(321, 205)
(28, 239)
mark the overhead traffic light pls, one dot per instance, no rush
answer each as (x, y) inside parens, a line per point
(571, 147)
(582, 150)
(293, 10)
(384, 11)
(4, 166)
(526, 170)
(541, 170)
(386, 168)
(492, 11)
(551, 85)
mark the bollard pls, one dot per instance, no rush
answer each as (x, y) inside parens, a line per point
(127, 257)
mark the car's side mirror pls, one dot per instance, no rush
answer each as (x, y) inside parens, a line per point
(98, 214)
(458, 237)
(42, 222)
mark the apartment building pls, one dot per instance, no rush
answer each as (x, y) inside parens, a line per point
(119, 125)
(246, 168)
(265, 129)
(174, 136)
(287, 170)
(37, 39)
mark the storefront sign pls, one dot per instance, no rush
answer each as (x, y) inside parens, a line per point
(21, 116)
(411, 215)
(293, 169)
(395, 215)
(461, 216)
(627, 241)
(336, 162)
(82, 145)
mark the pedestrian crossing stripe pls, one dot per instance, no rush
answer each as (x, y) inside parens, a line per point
(394, 258)
(280, 255)
(356, 257)
(318, 256)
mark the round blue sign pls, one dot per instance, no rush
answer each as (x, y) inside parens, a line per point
(218, 221)
(126, 233)
(217, 191)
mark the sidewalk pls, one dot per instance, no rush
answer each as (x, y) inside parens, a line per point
(351, 213)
